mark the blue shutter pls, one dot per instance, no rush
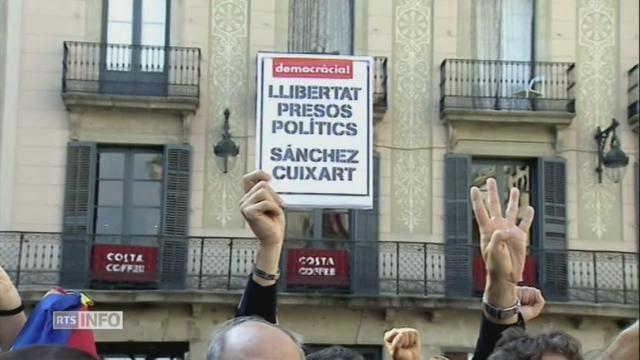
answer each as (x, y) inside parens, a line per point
(458, 222)
(364, 225)
(78, 214)
(551, 224)
(175, 216)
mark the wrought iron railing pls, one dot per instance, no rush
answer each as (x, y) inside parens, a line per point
(102, 68)
(634, 92)
(32, 260)
(507, 85)
(380, 81)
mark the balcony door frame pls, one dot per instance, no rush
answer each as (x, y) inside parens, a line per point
(135, 81)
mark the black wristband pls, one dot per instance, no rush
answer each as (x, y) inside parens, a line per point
(15, 311)
(265, 275)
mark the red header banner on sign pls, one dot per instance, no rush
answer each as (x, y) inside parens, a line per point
(318, 267)
(124, 263)
(312, 68)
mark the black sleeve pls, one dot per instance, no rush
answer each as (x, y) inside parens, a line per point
(259, 300)
(489, 335)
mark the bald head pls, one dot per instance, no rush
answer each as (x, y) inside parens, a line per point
(253, 338)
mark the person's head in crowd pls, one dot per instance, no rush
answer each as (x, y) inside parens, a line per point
(247, 338)
(335, 353)
(48, 352)
(516, 344)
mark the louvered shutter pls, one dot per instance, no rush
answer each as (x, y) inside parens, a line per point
(78, 214)
(551, 223)
(458, 222)
(175, 222)
(364, 225)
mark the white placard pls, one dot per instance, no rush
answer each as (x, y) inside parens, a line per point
(314, 128)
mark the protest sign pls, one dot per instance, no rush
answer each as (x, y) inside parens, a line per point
(314, 128)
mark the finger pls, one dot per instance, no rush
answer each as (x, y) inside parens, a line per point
(539, 299)
(252, 178)
(538, 304)
(412, 338)
(262, 184)
(527, 220)
(390, 335)
(494, 198)
(263, 207)
(396, 344)
(256, 197)
(512, 207)
(524, 294)
(482, 217)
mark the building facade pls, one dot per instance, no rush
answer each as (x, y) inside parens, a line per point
(110, 111)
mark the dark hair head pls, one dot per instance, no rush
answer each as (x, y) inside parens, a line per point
(48, 352)
(335, 353)
(516, 344)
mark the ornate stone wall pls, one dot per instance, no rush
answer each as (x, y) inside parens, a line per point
(411, 123)
(228, 88)
(599, 213)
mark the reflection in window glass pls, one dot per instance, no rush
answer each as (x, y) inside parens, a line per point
(119, 31)
(110, 193)
(121, 10)
(153, 33)
(109, 221)
(145, 221)
(146, 193)
(518, 176)
(299, 225)
(147, 166)
(335, 225)
(111, 165)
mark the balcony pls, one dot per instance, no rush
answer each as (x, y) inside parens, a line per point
(100, 75)
(402, 269)
(379, 87)
(507, 91)
(633, 110)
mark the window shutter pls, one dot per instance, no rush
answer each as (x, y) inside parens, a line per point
(458, 222)
(364, 225)
(78, 214)
(552, 227)
(175, 222)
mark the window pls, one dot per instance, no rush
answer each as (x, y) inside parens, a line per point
(503, 29)
(136, 33)
(318, 224)
(321, 26)
(129, 194)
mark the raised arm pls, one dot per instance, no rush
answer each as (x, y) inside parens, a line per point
(12, 317)
(503, 245)
(263, 210)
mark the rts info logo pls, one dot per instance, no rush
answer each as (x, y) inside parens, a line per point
(87, 320)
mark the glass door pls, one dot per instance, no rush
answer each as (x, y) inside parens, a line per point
(134, 51)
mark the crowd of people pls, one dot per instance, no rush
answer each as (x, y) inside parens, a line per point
(255, 334)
